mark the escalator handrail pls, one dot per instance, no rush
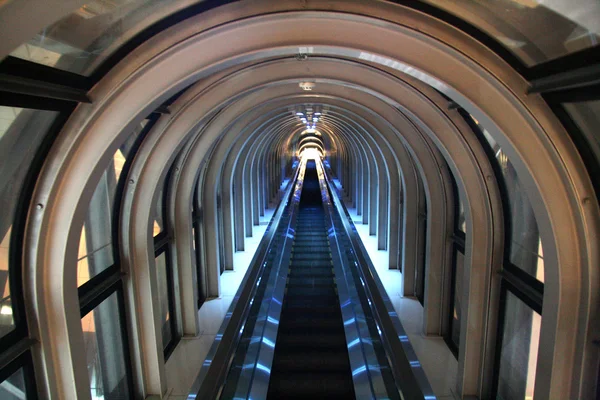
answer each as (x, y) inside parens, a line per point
(366, 369)
(213, 372)
(408, 372)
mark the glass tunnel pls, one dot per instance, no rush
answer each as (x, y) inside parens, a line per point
(299, 199)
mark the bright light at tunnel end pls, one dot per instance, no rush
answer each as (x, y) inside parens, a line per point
(310, 154)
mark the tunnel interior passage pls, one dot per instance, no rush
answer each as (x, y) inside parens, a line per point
(311, 355)
(152, 152)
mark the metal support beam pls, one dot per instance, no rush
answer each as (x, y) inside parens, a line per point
(577, 78)
(19, 85)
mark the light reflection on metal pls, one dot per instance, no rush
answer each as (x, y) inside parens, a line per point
(238, 307)
(370, 383)
(419, 379)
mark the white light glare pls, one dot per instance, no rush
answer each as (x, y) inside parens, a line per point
(311, 154)
(299, 113)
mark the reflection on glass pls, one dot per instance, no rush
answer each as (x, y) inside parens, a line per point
(455, 322)
(461, 222)
(104, 351)
(163, 296)
(13, 388)
(83, 39)
(96, 252)
(21, 133)
(587, 117)
(525, 247)
(519, 351)
(534, 30)
(6, 311)
(158, 225)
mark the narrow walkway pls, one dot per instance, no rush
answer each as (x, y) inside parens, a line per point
(193, 350)
(437, 360)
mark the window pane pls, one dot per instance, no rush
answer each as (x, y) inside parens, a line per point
(525, 246)
(534, 30)
(164, 296)
(518, 355)
(461, 222)
(21, 133)
(587, 117)
(13, 388)
(525, 238)
(105, 352)
(159, 224)
(82, 40)
(96, 251)
(456, 309)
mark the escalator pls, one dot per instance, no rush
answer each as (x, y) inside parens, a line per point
(311, 319)
(311, 357)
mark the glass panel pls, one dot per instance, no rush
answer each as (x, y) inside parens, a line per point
(81, 41)
(159, 224)
(96, 252)
(105, 352)
(525, 243)
(587, 117)
(456, 308)
(461, 222)
(13, 388)
(21, 133)
(519, 351)
(164, 293)
(534, 30)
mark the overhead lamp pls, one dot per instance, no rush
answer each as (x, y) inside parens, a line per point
(315, 119)
(299, 113)
(307, 85)
(317, 113)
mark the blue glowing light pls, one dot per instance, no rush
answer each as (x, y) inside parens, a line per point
(263, 368)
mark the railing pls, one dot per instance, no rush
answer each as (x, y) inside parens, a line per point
(370, 368)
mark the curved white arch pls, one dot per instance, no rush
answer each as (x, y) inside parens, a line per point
(519, 123)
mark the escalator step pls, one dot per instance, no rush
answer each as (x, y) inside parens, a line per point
(304, 385)
(311, 357)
